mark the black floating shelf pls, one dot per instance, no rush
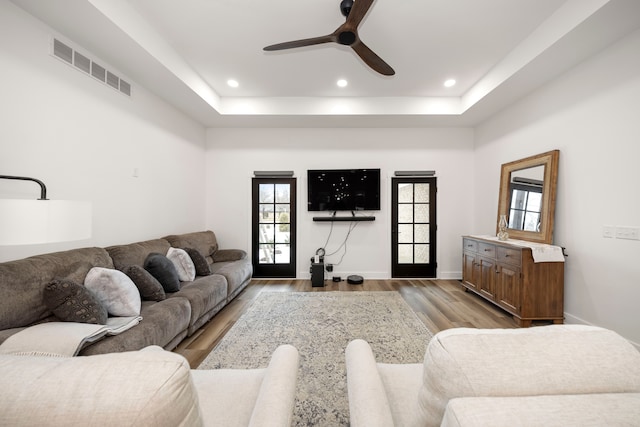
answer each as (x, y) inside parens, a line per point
(343, 218)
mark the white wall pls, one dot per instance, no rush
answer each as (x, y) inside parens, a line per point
(233, 155)
(84, 139)
(591, 115)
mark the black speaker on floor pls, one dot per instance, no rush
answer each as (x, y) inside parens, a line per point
(317, 274)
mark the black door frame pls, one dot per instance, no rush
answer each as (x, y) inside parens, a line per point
(272, 270)
(414, 270)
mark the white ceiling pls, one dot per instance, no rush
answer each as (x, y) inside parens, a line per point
(186, 50)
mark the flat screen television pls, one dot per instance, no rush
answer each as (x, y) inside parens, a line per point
(343, 190)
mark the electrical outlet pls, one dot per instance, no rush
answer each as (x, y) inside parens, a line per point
(609, 231)
(629, 233)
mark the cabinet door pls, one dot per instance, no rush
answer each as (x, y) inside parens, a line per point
(487, 282)
(509, 286)
(470, 269)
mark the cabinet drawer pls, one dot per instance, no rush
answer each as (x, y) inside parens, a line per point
(510, 256)
(487, 250)
(469, 245)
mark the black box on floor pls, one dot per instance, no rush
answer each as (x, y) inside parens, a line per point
(317, 274)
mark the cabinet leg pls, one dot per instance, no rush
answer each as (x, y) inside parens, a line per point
(523, 323)
(558, 321)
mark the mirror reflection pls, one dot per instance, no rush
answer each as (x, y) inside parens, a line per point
(526, 186)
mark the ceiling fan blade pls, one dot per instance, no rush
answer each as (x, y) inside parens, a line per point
(358, 11)
(371, 59)
(300, 43)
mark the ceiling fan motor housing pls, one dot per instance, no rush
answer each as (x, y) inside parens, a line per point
(345, 7)
(346, 38)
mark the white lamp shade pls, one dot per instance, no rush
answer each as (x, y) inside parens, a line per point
(29, 222)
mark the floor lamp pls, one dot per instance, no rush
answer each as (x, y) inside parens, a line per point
(30, 222)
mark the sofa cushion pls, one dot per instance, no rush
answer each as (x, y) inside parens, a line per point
(183, 264)
(164, 271)
(146, 388)
(238, 274)
(136, 253)
(203, 241)
(22, 282)
(77, 271)
(555, 359)
(71, 302)
(607, 409)
(206, 295)
(148, 286)
(116, 291)
(163, 323)
(199, 262)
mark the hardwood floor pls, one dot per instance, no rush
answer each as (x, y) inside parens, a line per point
(440, 304)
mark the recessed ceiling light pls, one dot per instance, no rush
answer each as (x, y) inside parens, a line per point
(342, 83)
(450, 83)
(233, 83)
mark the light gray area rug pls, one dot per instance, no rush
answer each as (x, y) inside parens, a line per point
(320, 325)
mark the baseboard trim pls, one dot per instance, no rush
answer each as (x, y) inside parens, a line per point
(382, 275)
(570, 319)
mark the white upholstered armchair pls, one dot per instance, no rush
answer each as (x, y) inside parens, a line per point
(151, 387)
(557, 375)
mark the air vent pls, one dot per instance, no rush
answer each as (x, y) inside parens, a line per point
(125, 87)
(88, 66)
(62, 51)
(98, 72)
(113, 80)
(82, 62)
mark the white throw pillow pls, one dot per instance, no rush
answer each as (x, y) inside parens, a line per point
(115, 290)
(183, 263)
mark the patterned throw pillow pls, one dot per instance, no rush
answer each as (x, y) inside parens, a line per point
(164, 271)
(199, 261)
(71, 302)
(148, 286)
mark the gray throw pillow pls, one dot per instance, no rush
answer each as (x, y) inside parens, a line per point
(71, 302)
(164, 271)
(149, 287)
(116, 291)
(202, 266)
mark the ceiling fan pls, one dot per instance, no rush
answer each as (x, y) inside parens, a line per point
(346, 34)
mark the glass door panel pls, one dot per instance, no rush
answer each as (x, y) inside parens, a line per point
(413, 233)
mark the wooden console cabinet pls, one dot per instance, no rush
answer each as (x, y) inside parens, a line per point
(506, 275)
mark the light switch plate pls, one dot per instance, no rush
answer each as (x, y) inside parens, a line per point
(629, 233)
(609, 231)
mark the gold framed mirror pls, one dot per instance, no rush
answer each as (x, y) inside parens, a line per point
(528, 196)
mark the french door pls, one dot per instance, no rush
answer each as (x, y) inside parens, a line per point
(413, 227)
(273, 227)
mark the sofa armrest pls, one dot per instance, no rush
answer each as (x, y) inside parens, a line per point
(222, 255)
(138, 388)
(276, 398)
(368, 402)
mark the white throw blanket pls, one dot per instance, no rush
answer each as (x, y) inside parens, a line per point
(63, 339)
(540, 252)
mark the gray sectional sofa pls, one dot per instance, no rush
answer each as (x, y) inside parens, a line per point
(164, 323)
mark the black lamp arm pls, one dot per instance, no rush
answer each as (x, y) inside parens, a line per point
(43, 188)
